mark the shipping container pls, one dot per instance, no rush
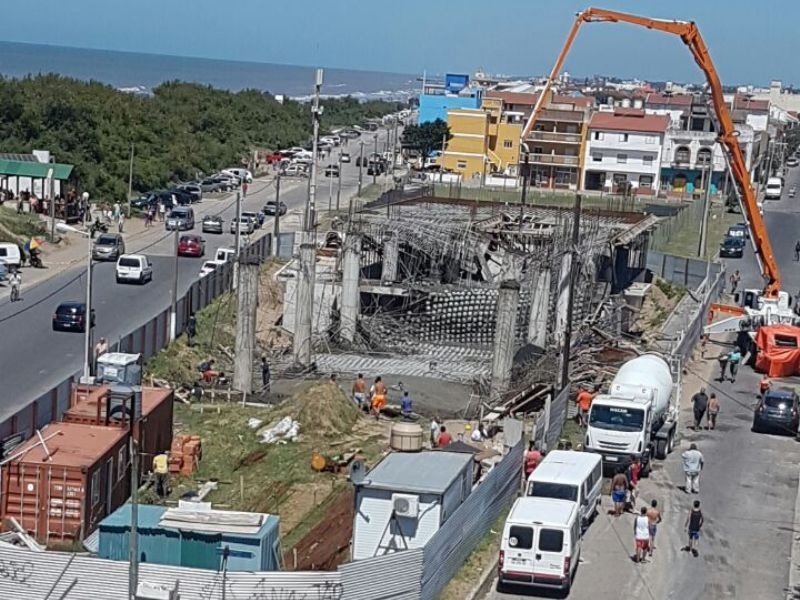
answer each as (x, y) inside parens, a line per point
(61, 483)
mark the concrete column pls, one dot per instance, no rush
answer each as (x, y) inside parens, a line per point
(540, 304)
(304, 301)
(562, 304)
(351, 301)
(391, 256)
(505, 329)
(247, 297)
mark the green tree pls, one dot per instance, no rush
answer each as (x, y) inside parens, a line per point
(427, 137)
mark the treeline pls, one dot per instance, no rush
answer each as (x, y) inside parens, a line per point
(181, 130)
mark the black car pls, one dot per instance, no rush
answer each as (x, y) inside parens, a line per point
(778, 410)
(194, 190)
(732, 247)
(269, 208)
(182, 196)
(212, 224)
(376, 168)
(71, 316)
(142, 202)
(332, 171)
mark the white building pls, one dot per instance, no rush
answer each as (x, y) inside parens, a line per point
(624, 151)
(404, 500)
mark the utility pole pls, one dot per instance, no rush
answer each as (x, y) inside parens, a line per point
(524, 192)
(374, 167)
(276, 231)
(237, 240)
(394, 145)
(133, 542)
(52, 206)
(567, 340)
(304, 298)
(702, 248)
(360, 168)
(173, 313)
(339, 183)
(130, 183)
(247, 302)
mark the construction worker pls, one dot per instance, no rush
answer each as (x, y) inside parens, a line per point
(584, 402)
(161, 470)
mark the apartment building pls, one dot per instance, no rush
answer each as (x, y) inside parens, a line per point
(555, 146)
(623, 151)
(453, 92)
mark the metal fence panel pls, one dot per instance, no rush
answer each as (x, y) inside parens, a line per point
(393, 576)
(285, 245)
(447, 550)
(688, 272)
(688, 339)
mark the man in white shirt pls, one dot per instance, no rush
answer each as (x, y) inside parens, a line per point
(641, 535)
(692, 465)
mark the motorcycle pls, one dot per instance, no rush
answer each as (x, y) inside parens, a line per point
(36, 261)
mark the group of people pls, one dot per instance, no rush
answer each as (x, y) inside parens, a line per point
(730, 360)
(702, 405)
(374, 400)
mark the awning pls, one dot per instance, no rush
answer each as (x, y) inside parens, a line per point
(36, 170)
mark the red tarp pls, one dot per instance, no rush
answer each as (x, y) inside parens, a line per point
(778, 350)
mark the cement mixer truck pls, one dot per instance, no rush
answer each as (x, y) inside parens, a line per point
(638, 416)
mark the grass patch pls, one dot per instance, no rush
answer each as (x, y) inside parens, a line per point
(370, 192)
(670, 290)
(15, 227)
(683, 235)
(484, 554)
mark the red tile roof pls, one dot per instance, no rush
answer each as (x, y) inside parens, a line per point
(529, 99)
(741, 102)
(629, 120)
(682, 100)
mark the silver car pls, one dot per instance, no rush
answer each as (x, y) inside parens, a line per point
(109, 246)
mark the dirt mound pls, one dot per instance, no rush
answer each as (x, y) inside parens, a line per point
(324, 410)
(270, 336)
(655, 309)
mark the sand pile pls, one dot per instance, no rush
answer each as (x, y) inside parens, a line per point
(324, 411)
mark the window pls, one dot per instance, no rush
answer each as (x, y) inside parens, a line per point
(461, 164)
(598, 135)
(122, 459)
(95, 488)
(704, 156)
(508, 144)
(597, 156)
(650, 139)
(645, 181)
(623, 137)
(622, 158)
(558, 491)
(520, 537)
(551, 540)
(682, 155)
(647, 159)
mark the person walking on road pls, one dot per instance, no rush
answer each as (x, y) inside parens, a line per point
(699, 405)
(15, 280)
(694, 523)
(735, 279)
(584, 402)
(653, 518)
(692, 465)
(797, 251)
(713, 411)
(632, 473)
(734, 358)
(121, 222)
(619, 489)
(641, 536)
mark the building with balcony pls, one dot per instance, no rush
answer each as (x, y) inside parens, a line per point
(454, 92)
(623, 151)
(555, 146)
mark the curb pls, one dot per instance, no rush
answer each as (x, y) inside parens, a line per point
(482, 580)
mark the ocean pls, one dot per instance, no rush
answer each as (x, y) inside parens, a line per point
(140, 73)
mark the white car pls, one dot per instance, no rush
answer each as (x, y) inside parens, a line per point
(209, 267)
(135, 268)
(242, 174)
(224, 255)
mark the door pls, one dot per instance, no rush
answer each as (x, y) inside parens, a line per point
(109, 485)
(519, 556)
(549, 554)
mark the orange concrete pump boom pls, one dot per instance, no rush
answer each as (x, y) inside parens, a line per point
(690, 35)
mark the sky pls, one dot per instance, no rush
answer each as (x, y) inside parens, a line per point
(748, 42)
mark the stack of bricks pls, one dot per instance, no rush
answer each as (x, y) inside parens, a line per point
(185, 454)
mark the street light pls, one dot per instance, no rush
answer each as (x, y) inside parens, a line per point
(64, 228)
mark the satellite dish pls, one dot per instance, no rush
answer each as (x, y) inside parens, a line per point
(357, 472)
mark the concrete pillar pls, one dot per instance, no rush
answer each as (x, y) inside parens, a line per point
(562, 304)
(504, 333)
(247, 297)
(304, 301)
(539, 310)
(351, 301)
(391, 257)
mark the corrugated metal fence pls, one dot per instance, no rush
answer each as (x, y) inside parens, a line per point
(688, 272)
(548, 431)
(397, 576)
(689, 336)
(447, 550)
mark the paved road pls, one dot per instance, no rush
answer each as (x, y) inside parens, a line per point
(33, 358)
(748, 489)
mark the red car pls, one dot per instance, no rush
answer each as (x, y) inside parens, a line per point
(274, 157)
(191, 245)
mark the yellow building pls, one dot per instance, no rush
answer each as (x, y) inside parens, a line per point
(484, 141)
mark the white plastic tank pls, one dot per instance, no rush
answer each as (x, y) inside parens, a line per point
(406, 437)
(644, 378)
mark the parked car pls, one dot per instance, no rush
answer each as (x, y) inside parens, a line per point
(109, 246)
(10, 254)
(209, 267)
(295, 170)
(182, 197)
(732, 247)
(212, 224)
(778, 410)
(242, 174)
(792, 161)
(181, 218)
(3, 271)
(134, 268)
(739, 230)
(258, 217)
(211, 185)
(375, 168)
(245, 225)
(269, 208)
(193, 189)
(345, 157)
(71, 316)
(141, 202)
(332, 171)
(191, 245)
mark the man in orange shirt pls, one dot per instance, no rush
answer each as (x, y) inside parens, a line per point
(584, 402)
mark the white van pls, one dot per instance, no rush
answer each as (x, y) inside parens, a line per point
(774, 188)
(569, 475)
(134, 267)
(541, 544)
(9, 254)
(224, 255)
(242, 174)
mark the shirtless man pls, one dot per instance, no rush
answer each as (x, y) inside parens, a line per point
(654, 518)
(378, 396)
(359, 390)
(619, 489)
